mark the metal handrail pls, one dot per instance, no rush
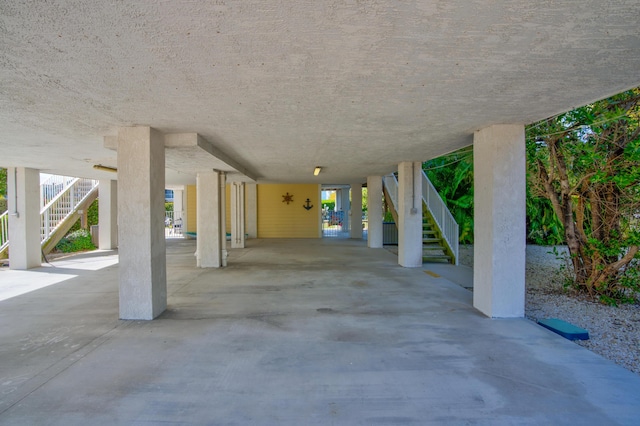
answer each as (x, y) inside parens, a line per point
(52, 187)
(4, 231)
(437, 208)
(391, 183)
(64, 204)
(441, 214)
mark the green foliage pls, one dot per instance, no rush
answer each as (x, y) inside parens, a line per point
(330, 204)
(388, 217)
(3, 205)
(452, 176)
(92, 213)
(92, 217)
(3, 184)
(585, 164)
(168, 207)
(543, 226)
(79, 240)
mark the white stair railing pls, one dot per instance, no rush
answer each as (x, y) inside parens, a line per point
(444, 220)
(4, 231)
(52, 186)
(64, 204)
(391, 183)
(441, 214)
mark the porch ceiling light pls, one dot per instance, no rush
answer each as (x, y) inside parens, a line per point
(105, 168)
(317, 170)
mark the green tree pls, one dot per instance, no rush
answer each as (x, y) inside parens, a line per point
(3, 183)
(452, 176)
(586, 163)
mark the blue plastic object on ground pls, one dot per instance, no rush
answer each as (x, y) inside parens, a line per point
(565, 329)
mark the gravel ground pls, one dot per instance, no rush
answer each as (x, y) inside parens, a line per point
(614, 333)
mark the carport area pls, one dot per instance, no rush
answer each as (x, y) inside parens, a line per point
(293, 332)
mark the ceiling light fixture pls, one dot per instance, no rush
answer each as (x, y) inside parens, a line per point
(105, 168)
(317, 170)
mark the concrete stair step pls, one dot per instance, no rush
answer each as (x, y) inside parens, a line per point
(432, 241)
(436, 258)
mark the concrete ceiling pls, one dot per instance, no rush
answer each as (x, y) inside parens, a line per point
(280, 87)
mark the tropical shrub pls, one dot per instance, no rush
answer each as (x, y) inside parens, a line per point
(79, 240)
(586, 163)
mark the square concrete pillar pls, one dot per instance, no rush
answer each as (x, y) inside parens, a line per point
(108, 214)
(499, 221)
(410, 214)
(23, 192)
(209, 220)
(237, 215)
(223, 217)
(356, 211)
(374, 211)
(178, 212)
(185, 210)
(251, 190)
(142, 251)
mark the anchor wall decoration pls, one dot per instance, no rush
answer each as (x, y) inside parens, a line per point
(308, 206)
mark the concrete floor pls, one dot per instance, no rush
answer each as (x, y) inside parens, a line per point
(293, 332)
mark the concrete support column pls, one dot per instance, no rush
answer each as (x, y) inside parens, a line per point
(410, 214)
(209, 220)
(374, 210)
(252, 210)
(237, 215)
(143, 271)
(178, 207)
(23, 191)
(185, 211)
(499, 221)
(108, 214)
(223, 217)
(356, 211)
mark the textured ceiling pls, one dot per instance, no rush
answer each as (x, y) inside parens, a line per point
(281, 87)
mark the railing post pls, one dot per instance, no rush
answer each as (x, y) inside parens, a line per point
(46, 226)
(72, 197)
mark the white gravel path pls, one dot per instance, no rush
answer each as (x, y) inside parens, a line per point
(614, 332)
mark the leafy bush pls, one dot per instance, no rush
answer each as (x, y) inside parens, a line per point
(329, 203)
(452, 176)
(92, 217)
(76, 241)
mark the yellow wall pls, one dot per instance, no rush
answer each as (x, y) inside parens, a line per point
(191, 208)
(276, 219)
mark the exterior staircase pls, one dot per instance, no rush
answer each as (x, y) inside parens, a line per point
(61, 198)
(439, 228)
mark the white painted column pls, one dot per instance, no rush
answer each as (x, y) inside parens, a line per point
(356, 211)
(178, 212)
(178, 205)
(142, 250)
(410, 214)
(223, 217)
(23, 191)
(209, 221)
(499, 221)
(374, 211)
(252, 210)
(108, 214)
(237, 215)
(185, 211)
